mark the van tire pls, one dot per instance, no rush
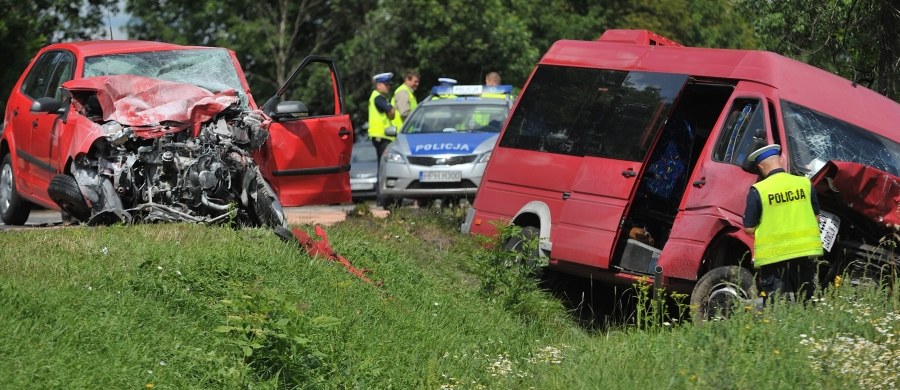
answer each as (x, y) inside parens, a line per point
(720, 290)
(14, 210)
(515, 244)
(64, 191)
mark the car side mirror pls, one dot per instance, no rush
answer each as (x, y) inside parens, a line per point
(46, 105)
(291, 109)
(391, 131)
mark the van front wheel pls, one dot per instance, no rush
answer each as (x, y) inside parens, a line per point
(722, 290)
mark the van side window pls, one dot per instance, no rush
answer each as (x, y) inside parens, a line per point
(746, 120)
(592, 112)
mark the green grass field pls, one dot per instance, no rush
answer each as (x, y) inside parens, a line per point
(184, 306)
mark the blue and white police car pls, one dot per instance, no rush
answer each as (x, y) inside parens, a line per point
(443, 147)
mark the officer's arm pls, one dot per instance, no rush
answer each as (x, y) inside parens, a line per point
(752, 211)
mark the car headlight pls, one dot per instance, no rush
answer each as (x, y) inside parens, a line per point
(393, 156)
(484, 157)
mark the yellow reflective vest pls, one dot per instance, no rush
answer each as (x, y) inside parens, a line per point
(378, 121)
(788, 227)
(398, 121)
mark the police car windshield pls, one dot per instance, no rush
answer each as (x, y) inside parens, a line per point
(815, 138)
(454, 118)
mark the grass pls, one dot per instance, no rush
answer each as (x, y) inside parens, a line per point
(183, 306)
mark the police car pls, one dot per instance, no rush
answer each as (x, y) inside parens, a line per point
(443, 147)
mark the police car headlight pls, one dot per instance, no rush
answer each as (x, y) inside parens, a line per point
(393, 156)
(484, 157)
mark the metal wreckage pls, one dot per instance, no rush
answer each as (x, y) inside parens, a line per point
(172, 152)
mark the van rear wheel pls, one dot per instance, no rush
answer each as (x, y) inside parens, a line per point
(722, 290)
(518, 244)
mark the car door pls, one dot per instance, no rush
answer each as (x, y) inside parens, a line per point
(622, 120)
(307, 157)
(33, 132)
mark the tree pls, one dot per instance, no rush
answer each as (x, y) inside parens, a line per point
(700, 23)
(26, 26)
(857, 39)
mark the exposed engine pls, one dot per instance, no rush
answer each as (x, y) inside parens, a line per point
(173, 172)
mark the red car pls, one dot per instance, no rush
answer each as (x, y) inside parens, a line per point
(111, 131)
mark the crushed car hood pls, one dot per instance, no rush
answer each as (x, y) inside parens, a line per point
(142, 101)
(867, 190)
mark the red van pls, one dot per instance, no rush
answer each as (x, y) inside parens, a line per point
(626, 155)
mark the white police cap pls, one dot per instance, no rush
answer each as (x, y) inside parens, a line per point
(383, 77)
(447, 80)
(764, 152)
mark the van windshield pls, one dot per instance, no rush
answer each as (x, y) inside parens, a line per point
(815, 138)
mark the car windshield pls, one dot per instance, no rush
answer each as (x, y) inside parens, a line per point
(363, 152)
(815, 138)
(212, 68)
(450, 118)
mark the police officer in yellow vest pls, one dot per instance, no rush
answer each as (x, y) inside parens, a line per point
(492, 79)
(380, 112)
(404, 99)
(781, 214)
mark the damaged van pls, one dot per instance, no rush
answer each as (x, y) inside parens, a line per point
(625, 157)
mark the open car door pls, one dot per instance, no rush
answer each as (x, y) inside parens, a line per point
(307, 158)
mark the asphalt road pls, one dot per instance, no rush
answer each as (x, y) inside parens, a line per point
(322, 215)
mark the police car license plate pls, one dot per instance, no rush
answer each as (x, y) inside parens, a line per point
(439, 176)
(829, 224)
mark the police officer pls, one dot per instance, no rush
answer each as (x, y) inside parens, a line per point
(380, 113)
(445, 83)
(404, 99)
(781, 214)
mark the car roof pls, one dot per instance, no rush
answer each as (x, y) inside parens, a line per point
(93, 48)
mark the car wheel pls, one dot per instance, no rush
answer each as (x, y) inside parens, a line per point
(266, 206)
(720, 291)
(64, 191)
(13, 209)
(518, 242)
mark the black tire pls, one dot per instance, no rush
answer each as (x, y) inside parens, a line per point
(64, 191)
(266, 206)
(517, 242)
(14, 210)
(721, 290)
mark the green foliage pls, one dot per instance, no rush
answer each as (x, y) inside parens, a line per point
(185, 306)
(26, 26)
(859, 40)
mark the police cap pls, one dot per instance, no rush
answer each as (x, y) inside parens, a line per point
(383, 77)
(764, 152)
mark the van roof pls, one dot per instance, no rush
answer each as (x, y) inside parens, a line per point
(795, 81)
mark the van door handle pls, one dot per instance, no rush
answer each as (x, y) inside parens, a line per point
(566, 195)
(699, 183)
(343, 133)
(629, 173)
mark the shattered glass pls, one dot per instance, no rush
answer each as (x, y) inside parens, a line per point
(815, 138)
(211, 69)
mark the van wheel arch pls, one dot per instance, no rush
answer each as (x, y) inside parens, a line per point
(725, 250)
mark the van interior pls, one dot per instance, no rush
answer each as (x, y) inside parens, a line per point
(667, 170)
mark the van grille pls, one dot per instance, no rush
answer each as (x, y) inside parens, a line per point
(429, 161)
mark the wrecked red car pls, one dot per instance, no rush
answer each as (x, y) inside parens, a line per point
(131, 131)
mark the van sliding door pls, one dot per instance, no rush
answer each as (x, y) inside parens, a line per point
(618, 121)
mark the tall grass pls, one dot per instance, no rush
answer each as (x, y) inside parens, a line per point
(183, 306)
